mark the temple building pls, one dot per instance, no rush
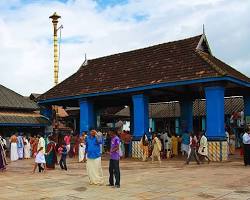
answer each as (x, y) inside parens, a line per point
(183, 71)
(19, 114)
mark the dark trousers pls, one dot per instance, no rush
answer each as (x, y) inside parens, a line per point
(193, 154)
(126, 146)
(247, 154)
(40, 168)
(114, 170)
(62, 163)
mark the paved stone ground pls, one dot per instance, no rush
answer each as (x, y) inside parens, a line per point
(171, 180)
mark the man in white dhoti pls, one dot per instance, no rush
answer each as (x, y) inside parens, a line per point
(203, 151)
(94, 168)
(20, 146)
(41, 143)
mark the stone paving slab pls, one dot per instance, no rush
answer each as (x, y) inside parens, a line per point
(172, 180)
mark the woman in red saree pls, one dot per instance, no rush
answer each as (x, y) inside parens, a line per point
(51, 158)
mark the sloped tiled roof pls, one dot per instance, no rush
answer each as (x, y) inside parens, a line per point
(163, 63)
(22, 118)
(11, 100)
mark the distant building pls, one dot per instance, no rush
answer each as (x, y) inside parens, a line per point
(19, 114)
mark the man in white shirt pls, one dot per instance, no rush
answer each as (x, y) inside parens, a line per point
(246, 143)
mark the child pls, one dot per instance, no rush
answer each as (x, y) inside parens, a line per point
(63, 157)
(39, 161)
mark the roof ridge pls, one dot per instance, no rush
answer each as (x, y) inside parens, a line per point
(140, 49)
(203, 54)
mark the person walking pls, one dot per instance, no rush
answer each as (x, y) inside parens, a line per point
(144, 146)
(62, 161)
(40, 160)
(203, 148)
(93, 152)
(192, 151)
(246, 143)
(114, 168)
(156, 148)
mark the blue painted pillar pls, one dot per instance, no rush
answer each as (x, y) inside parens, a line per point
(141, 116)
(87, 115)
(177, 126)
(186, 107)
(215, 123)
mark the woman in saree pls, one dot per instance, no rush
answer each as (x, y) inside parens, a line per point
(51, 158)
(144, 146)
(174, 144)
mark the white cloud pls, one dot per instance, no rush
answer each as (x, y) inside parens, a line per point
(26, 60)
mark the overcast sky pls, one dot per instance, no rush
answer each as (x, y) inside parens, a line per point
(104, 27)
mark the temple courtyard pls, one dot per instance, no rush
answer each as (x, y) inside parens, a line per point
(172, 180)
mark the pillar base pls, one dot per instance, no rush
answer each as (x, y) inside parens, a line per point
(136, 150)
(218, 151)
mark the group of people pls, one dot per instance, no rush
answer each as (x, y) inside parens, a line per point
(22, 147)
(166, 146)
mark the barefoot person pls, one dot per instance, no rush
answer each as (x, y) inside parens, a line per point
(94, 168)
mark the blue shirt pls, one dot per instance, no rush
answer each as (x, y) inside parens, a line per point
(93, 147)
(185, 138)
